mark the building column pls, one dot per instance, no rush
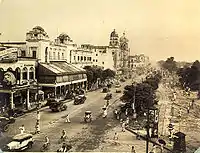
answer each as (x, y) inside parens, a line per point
(55, 91)
(60, 90)
(28, 75)
(11, 101)
(21, 77)
(28, 99)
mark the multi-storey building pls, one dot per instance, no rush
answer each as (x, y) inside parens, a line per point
(139, 60)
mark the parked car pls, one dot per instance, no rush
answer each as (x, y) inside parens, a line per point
(108, 96)
(122, 80)
(117, 85)
(118, 91)
(105, 90)
(4, 123)
(21, 142)
(55, 99)
(80, 99)
(58, 106)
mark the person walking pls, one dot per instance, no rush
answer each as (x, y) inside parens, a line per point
(22, 129)
(67, 119)
(127, 121)
(115, 136)
(133, 149)
(188, 109)
(123, 126)
(107, 103)
(37, 128)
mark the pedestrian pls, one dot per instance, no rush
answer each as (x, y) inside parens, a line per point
(188, 109)
(22, 129)
(123, 126)
(115, 136)
(67, 119)
(180, 112)
(192, 104)
(126, 112)
(127, 121)
(37, 128)
(105, 113)
(107, 103)
(133, 149)
(38, 115)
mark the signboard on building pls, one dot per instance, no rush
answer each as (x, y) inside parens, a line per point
(7, 80)
(9, 58)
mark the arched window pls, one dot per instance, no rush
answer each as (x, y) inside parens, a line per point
(31, 73)
(24, 73)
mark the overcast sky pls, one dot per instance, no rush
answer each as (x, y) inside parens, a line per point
(157, 28)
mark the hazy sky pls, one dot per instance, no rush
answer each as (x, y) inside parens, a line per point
(157, 28)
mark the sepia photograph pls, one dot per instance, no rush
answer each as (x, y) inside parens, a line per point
(100, 76)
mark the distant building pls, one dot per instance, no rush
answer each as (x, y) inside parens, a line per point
(138, 60)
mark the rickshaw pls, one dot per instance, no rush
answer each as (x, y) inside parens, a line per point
(88, 116)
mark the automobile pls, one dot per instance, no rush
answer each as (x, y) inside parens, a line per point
(117, 85)
(55, 99)
(122, 80)
(58, 106)
(5, 122)
(21, 142)
(80, 99)
(118, 91)
(105, 90)
(108, 96)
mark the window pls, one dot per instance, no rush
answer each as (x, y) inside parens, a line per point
(34, 54)
(62, 55)
(24, 75)
(102, 62)
(58, 55)
(74, 57)
(23, 53)
(113, 53)
(96, 54)
(81, 58)
(84, 58)
(54, 55)
(96, 60)
(31, 75)
(78, 58)
(93, 60)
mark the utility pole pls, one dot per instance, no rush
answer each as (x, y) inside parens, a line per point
(147, 139)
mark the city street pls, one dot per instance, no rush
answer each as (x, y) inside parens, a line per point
(82, 136)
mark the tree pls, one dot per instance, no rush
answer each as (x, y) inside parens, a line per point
(190, 76)
(108, 73)
(170, 65)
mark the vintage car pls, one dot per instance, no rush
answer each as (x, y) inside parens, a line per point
(4, 123)
(58, 106)
(21, 142)
(105, 90)
(80, 99)
(108, 96)
(55, 99)
(118, 90)
(122, 80)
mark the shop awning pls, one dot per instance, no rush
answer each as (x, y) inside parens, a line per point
(59, 68)
(60, 73)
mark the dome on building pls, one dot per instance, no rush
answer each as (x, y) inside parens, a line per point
(63, 37)
(113, 34)
(39, 28)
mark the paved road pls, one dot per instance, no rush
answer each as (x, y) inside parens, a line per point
(53, 123)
